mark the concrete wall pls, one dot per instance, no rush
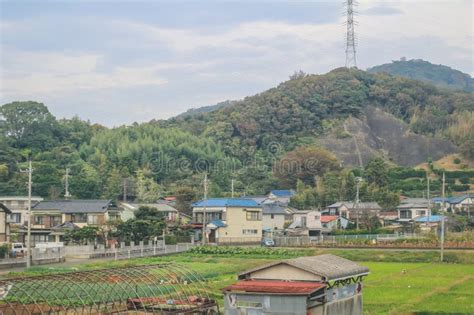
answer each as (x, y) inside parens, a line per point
(277, 222)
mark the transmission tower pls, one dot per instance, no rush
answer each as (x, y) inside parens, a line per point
(350, 35)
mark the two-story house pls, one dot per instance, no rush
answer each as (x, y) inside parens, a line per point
(274, 216)
(412, 208)
(350, 210)
(48, 215)
(229, 220)
(306, 222)
(19, 208)
(4, 224)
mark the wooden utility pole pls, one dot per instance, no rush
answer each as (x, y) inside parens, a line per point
(204, 211)
(28, 237)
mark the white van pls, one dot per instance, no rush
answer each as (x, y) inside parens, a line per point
(18, 249)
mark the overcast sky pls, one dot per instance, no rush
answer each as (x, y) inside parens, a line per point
(116, 62)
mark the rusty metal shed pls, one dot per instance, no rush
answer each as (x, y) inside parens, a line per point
(324, 284)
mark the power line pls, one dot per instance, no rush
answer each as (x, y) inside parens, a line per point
(351, 60)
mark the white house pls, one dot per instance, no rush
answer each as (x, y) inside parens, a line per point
(412, 208)
(307, 220)
(461, 203)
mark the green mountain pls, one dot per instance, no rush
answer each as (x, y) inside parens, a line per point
(418, 69)
(330, 123)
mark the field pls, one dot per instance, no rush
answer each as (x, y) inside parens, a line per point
(401, 282)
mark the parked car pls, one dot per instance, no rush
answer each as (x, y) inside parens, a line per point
(18, 249)
(268, 242)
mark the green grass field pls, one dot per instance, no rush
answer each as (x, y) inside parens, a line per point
(393, 287)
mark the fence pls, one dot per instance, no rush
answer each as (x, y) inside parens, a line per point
(288, 241)
(39, 256)
(60, 254)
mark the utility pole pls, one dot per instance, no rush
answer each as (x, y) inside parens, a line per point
(124, 189)
(358, 180)
(428, 196)
(232, 187)
(442, 222)
(204, 211)
(66, 190)
(350, 34)
(28, 237)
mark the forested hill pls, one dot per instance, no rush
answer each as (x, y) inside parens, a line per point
(243, 141)
(301, 110)
(418, 69)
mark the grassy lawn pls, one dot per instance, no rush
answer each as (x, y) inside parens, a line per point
(400, 282)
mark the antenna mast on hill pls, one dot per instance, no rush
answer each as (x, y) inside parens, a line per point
(350, 35)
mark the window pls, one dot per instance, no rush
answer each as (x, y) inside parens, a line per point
(316, 217)
(79, 218)
(253, 216)
(303, 221)
(249, 232)
(272, 216)
(93, 219)
(38, 220)
(55, 220)
(420, 212)
(15, 218)
(249, 304)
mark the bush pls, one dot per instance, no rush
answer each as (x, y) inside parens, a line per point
(258, 251)
(459, 187)
(171, 240)
(464, 180)
(457, 161)
(4, 251)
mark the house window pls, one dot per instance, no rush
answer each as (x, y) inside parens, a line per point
(38, 220)
(93, 219)
(15, 218)
(249, 232)
(79, 218)
(303, 222)
(316, 217)
(253, 215)
(420, 212)
(55, 220)
(272, 216)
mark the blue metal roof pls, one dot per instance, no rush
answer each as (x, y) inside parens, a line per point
(227, 202)
(459, 199)
(432, 218)
(217, 223)
(282, 193)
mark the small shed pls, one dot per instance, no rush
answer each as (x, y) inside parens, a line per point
(324, 284)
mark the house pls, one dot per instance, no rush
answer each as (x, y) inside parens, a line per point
(283, 196)
(170, 213)
(306, 222)
(351, 210)
(48, 215)
(412, 208)
(329, 223)
(4, 223)
(461, 203)
(19, 208)
(388, 217)
(324, 284)
(229, 220)
(273, 216)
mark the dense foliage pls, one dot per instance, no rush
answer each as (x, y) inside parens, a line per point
(243, 141)
(418, 69)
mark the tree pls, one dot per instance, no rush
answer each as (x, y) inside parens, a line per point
(304, 163)
(147, 224)
(28, 124)
(184, 198)
(113, 185)
(376, 172)
(86, 184)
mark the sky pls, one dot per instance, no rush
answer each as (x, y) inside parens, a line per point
(119, 62)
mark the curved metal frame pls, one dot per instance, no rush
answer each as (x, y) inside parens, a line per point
(149, 289)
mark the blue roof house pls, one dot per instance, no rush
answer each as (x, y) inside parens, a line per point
(229, 220)
(462, 203)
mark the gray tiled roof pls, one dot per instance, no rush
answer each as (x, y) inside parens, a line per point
(273, 208)
(328, 266)
(74, 206)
